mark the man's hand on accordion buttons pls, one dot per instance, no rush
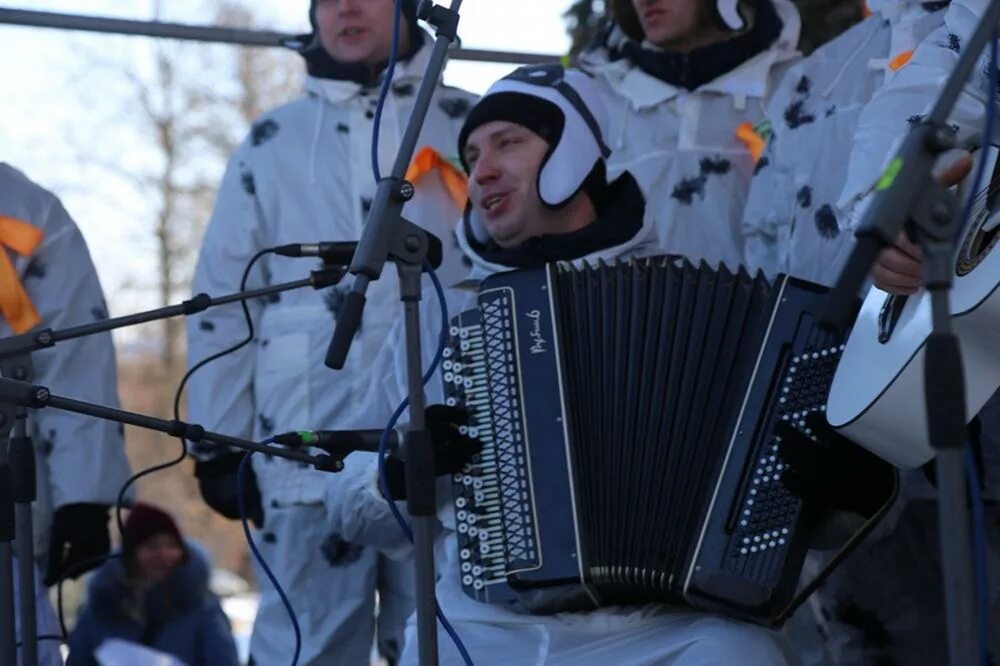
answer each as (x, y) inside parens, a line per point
(831, 471)
(452, 448)
(217, 481)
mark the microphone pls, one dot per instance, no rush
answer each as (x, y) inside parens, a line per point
(337, 253)
(341, 253)
(338, 442)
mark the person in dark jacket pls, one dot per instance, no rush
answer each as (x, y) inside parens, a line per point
(154, 594)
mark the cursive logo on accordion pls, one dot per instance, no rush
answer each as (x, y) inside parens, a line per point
(538, 342)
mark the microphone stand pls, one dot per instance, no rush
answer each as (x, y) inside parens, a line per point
(907, 196)
(15, 441)
(387, 236)
(18, 489)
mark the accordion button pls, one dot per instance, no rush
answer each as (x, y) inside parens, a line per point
(466, 567)
(467, 580)
(478, 585)
(462, 528)
(465, 553)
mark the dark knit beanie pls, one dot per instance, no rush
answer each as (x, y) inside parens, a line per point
(143, 523)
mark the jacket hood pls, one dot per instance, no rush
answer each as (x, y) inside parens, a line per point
(408, 70)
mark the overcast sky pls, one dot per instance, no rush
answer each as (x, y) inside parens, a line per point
(45, 123)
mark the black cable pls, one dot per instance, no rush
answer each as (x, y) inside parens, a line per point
(180, 390)
(81, 566)
(45, 637)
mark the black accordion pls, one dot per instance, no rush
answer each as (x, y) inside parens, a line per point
(627, 417)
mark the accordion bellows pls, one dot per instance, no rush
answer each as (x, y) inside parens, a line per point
(627, 415)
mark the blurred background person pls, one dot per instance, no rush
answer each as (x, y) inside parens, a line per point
(155, 594)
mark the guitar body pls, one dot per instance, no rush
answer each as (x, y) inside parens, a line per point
(877, 396)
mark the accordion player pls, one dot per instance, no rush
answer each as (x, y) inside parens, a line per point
(627, 414)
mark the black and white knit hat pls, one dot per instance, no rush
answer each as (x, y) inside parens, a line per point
(564, 108)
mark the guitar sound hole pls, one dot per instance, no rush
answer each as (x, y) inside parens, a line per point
(978, 244)
(978, 241)
(984, 241)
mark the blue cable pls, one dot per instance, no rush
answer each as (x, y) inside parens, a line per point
(987, 136)
(386, 83)
(384, 443)
(240, 475)
(979, 546)
(975, 492)
(384, 447)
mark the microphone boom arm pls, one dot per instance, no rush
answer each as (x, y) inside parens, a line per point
(34, 396)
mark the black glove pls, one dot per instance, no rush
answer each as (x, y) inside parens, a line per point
(217, 483)
(831, 471)
(79, 542)
(452, 449)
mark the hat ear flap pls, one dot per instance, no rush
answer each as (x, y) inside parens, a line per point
(727, 13)
(567, 163)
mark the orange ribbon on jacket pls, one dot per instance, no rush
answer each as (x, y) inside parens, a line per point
(454, 179)
(900, 60)
(754, 142)
(15, 305)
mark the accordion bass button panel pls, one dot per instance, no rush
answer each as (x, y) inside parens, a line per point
(769, 511)
(752, 549)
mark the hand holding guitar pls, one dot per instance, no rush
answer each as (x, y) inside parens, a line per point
(899, 268)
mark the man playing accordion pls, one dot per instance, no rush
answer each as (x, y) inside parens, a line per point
(534, 149)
